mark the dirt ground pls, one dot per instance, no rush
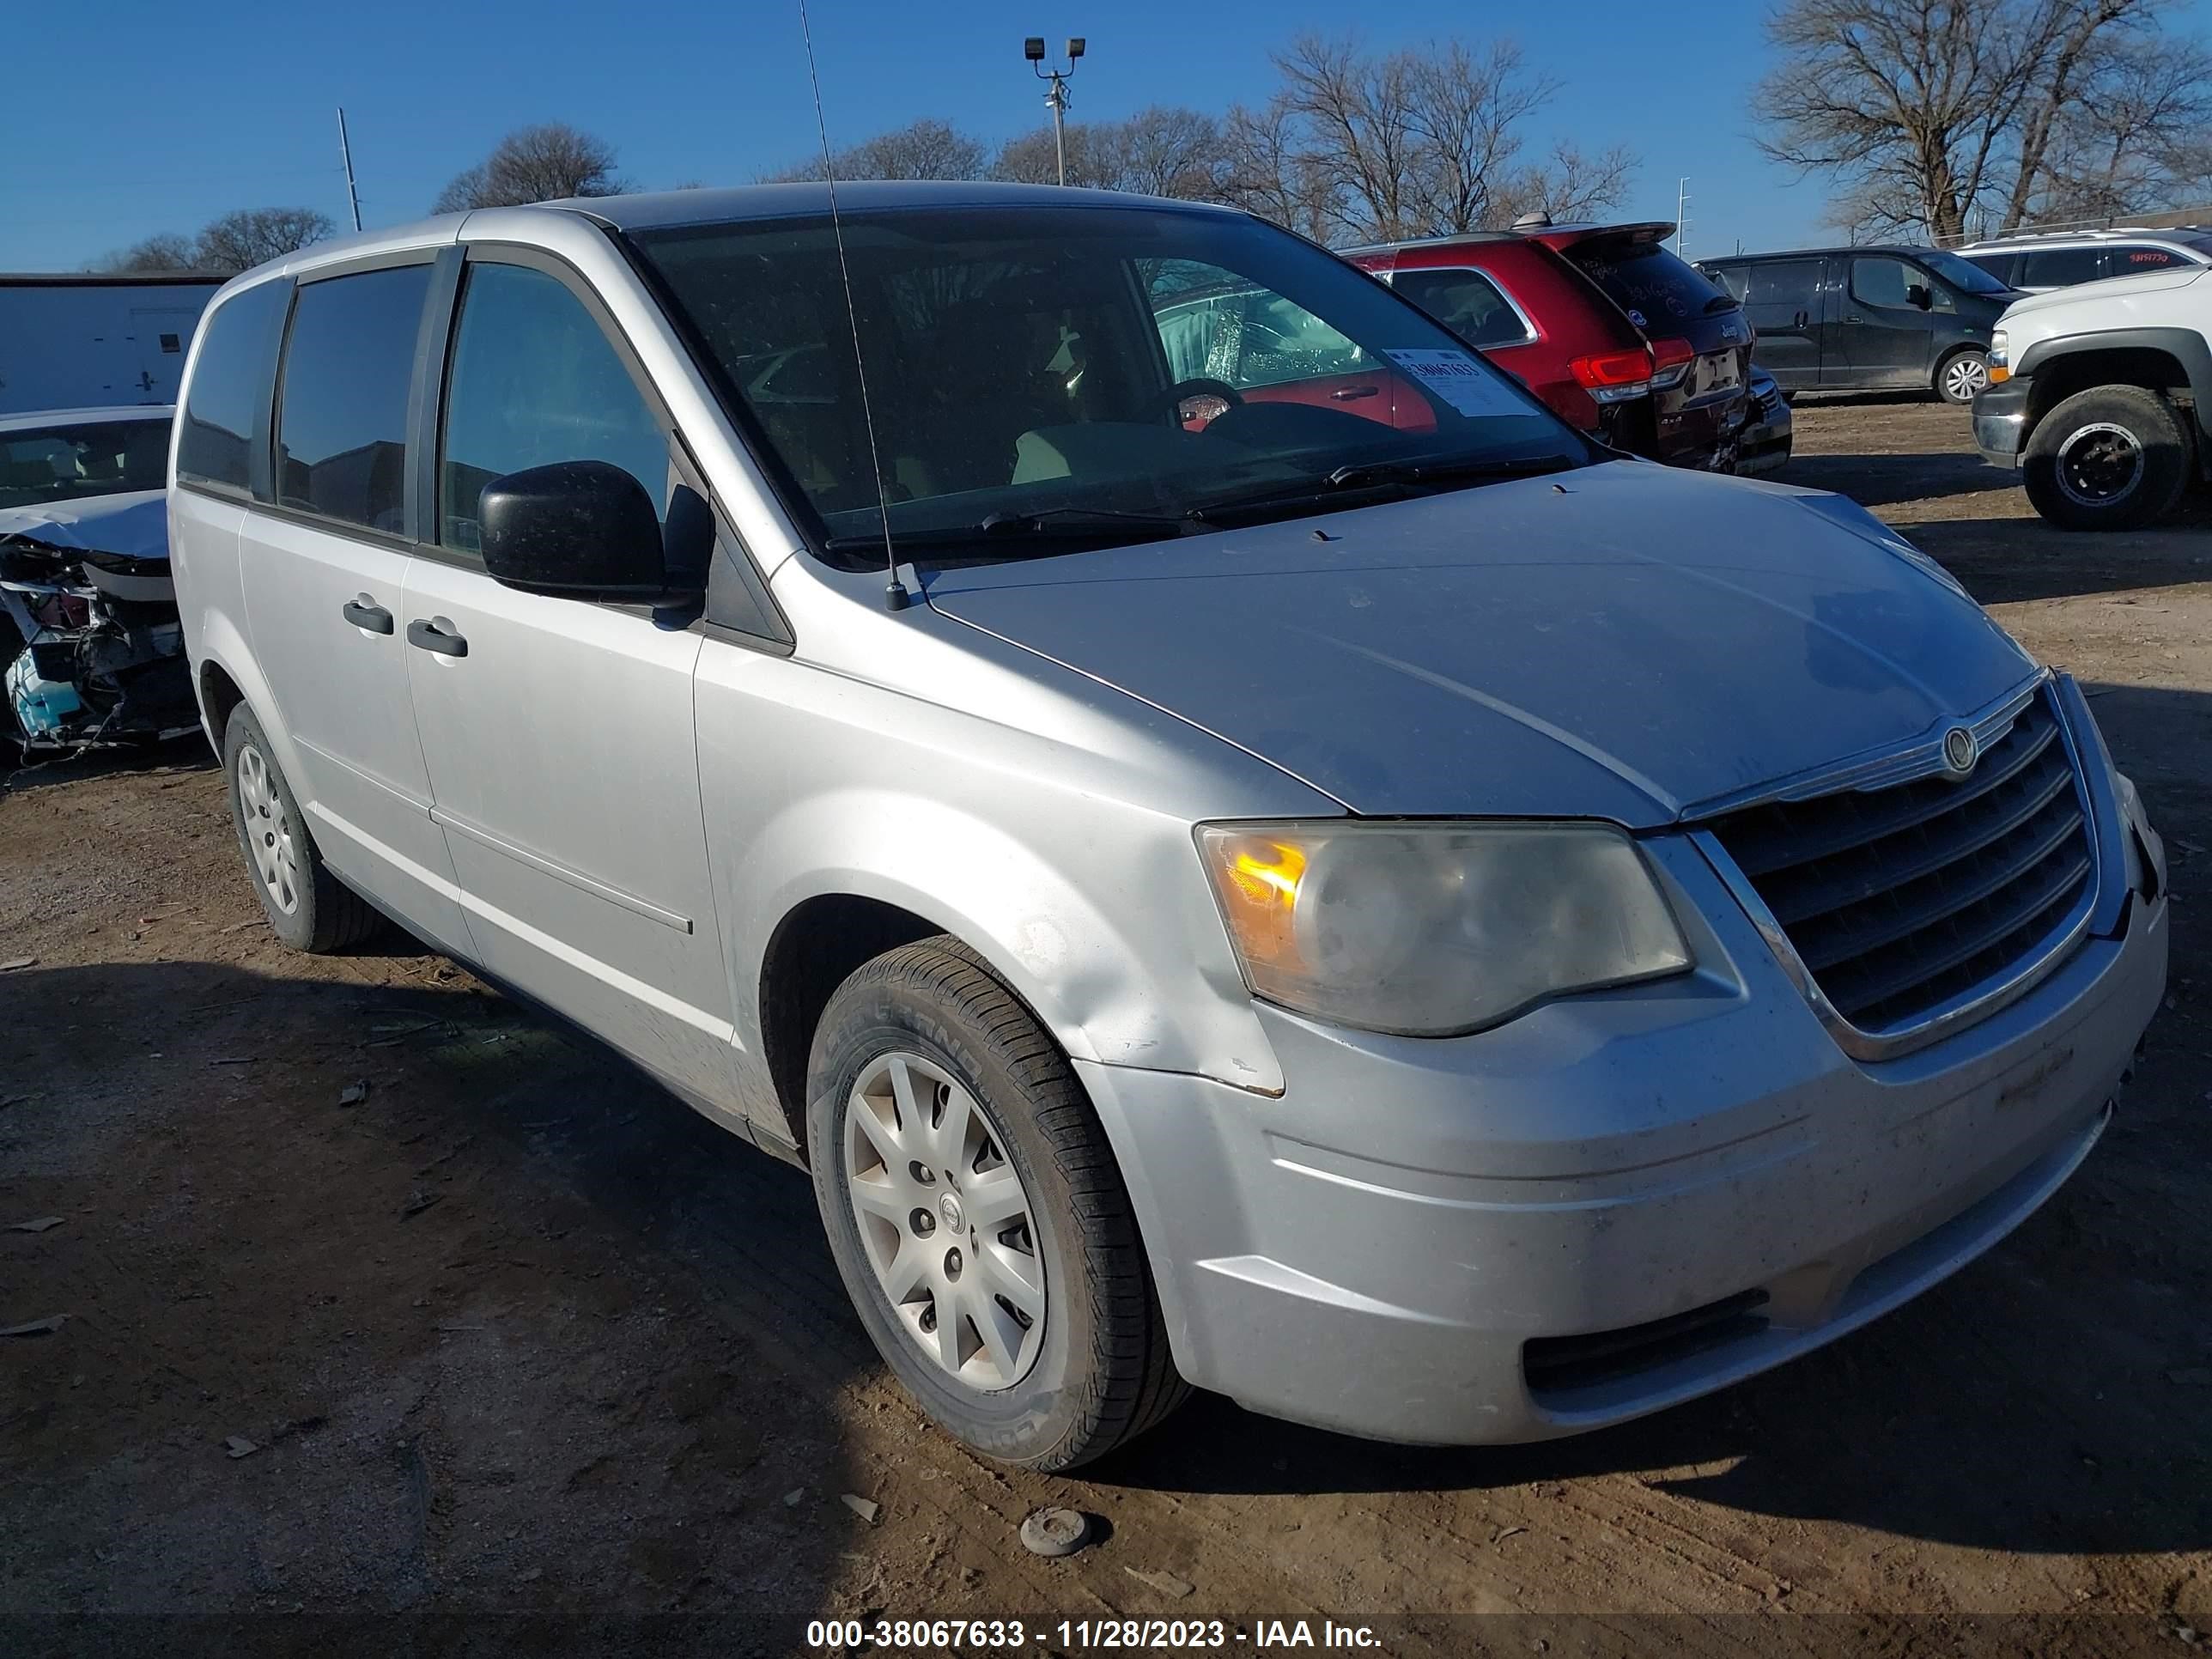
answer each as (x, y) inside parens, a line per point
(530, 1358)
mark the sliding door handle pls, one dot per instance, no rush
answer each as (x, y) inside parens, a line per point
(428, 637)
(362, 614)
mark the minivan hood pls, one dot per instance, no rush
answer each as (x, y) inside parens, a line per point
(2107, 289)
(1625, 641)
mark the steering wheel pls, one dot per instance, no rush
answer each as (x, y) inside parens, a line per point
(1174, 397)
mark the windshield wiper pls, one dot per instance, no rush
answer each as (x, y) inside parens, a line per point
(1722, 302)
(1445, 469)
(1383, 477)
(1050, 524)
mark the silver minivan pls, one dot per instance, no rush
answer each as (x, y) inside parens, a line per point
(1244, 858)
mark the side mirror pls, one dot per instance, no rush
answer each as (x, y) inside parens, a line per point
(575, 530)
(1916, 294)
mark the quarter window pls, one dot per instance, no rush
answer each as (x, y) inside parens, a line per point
(1468, 303)
(230, 386)
(2128, 260)
(534, 381)
(342, 410)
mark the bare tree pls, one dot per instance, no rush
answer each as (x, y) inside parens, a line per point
(535, 164)
(1925, 114)
(1033, 158)
(1164, 150)
(1269, 172)
(927, 149)
(2145, 137)
(1170, 151)
(1415, 143)
(252, 236)
(165, 252)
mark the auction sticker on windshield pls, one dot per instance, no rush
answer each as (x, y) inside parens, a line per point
(1459, 380)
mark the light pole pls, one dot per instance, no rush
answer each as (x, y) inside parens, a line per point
(1055, 97)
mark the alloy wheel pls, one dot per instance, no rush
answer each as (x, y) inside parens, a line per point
(947, 1224)
(268, 830)
(1964, 377)
(2099, 464)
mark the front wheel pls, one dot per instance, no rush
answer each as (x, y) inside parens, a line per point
(1964, 374)
(2112, 457)
(977, 1215)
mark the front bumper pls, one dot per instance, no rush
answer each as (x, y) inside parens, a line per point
(1429, 1241)
(2000, 422)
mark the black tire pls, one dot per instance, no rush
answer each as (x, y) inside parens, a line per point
(325, 916)
(1961, 375)
(1102, 1372)
(2112, 457)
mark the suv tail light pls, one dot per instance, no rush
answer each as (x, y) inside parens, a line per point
(1614, 377)
(1671, 361)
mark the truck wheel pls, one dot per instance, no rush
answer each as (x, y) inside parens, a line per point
(2112, 457)
(1961, 375)
(977, 1215)
(308, 908)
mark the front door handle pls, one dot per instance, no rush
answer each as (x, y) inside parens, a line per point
(1855, 319)
(374, 617)
(1346, 394)
(428, 637)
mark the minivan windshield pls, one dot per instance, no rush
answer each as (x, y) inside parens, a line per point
(1041, 376)
(1962, 274)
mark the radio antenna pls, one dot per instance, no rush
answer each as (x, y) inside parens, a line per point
(896, 598)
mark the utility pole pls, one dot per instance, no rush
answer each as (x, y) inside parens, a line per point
(1055, 97)
(1681, 216)
(345, 152)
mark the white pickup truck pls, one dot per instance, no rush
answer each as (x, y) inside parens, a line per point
(2102, 396)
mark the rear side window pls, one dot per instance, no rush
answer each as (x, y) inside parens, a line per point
(2061, 267)
(1467, 302)
(1792, 283)
(1645, 281)
(230, 386)
(2003, 266)
(342, 410)
(535, 380)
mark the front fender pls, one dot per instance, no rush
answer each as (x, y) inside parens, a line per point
(1111, 938)
(2186, 346)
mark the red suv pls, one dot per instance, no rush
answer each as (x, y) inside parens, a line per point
(1601, 322)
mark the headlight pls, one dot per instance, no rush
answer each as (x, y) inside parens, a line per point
(1433, 929)
(2000, 358)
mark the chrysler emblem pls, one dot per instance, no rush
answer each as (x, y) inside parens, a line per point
(1959, 750)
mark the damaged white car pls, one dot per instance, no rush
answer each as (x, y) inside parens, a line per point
(91, 655)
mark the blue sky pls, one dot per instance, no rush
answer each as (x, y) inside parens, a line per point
(192, 111)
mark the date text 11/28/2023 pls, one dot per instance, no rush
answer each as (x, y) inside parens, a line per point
(1085, 1635)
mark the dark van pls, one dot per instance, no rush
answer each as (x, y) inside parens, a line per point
(1868, 318)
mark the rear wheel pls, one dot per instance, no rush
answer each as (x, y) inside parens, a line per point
(977, 1215)
(308, 908)
(2112, 457)
(1963, 374)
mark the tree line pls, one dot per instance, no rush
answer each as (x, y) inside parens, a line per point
(1937, 118)
(1353, 146)
(1947, 117)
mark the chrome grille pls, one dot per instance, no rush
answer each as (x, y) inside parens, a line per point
(1899, 900)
